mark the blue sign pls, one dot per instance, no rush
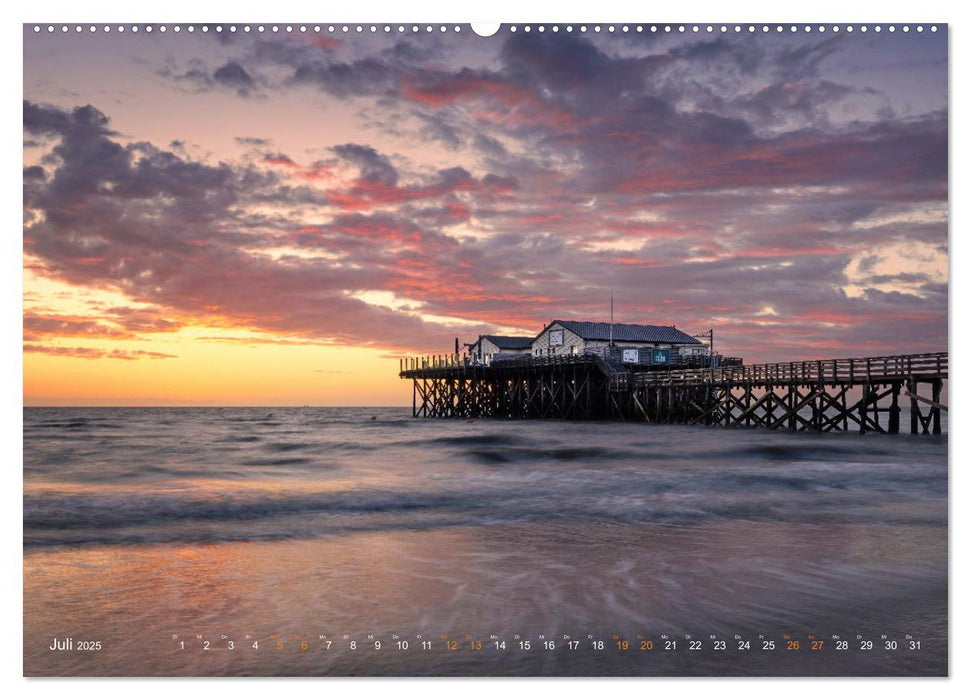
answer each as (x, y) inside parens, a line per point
(659, 357)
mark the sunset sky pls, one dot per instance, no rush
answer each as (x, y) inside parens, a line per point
(217, 218)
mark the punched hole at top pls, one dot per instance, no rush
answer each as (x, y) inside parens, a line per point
(485, 29)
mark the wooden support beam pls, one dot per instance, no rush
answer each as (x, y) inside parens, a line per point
(893, 422)
(638, 403)
(620, 414)
(936, 404)
(914, 406)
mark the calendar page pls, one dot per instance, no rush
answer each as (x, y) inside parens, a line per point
(590, 349)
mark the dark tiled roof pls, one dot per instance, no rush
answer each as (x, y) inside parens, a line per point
(510, 342)
(513, 357)
(589, 330)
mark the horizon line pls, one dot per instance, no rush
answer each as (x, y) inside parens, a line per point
(209, 406)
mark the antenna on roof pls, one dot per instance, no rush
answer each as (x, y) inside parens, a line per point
(611, 317)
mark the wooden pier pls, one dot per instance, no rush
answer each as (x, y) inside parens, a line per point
(864, 394)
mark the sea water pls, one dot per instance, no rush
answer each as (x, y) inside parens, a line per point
(177, 538)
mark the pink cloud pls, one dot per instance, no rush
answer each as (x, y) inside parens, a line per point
(96, 353)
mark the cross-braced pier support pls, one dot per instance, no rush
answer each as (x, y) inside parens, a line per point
(572, 389)
(863, 394)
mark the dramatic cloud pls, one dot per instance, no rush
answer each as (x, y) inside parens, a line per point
(252, 141)
(374, 167)
(230, 75)
(38, 326)
(235, 76)
(785, 190)
(96, 353)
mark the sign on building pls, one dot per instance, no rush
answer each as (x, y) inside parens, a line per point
(659, 357)
(630, 355)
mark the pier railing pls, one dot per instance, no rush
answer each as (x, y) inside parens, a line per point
(850, 370)
(457, 361)
(446, 361)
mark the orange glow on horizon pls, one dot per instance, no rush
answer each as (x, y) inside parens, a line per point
(184, 361)
(215, 373)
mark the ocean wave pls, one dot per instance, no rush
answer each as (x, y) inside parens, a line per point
(165, 517)
(67, 512)
(76, 424)
(240, 438)
(231, 473)
(799, 450)
(593, 455)
(487, 439)
(286, 446)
